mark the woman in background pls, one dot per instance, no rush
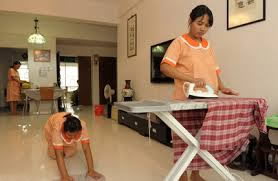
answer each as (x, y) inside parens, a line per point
(13, 88)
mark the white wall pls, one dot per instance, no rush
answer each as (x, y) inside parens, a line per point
(50, 67)
(70, 50)
(67, 50)
(125, 6)
(92, 10)
(247, 55)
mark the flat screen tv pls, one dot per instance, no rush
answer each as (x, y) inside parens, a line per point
(157, 53)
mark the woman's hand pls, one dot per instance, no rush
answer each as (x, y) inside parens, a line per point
(229, 91)
(199, 83)
(68, 178)
(94, 174)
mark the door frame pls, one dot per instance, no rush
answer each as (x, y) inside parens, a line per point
(101, 79)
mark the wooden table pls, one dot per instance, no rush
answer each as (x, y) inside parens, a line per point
(34, 94)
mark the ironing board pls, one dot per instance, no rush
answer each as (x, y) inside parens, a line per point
(163, 110)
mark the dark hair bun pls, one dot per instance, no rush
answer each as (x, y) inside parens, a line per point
(72, 124)
(17, 63)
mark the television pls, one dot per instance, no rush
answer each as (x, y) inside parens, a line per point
(157, 53)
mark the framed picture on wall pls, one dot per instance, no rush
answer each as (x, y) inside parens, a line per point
(41, 55)
(132, 36)
(244, 12)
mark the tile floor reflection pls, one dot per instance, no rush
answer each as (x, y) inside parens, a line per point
(120, 153)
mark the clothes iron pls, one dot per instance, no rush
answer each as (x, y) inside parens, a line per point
(191, 93)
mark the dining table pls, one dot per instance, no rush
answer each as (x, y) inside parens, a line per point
(34, 95)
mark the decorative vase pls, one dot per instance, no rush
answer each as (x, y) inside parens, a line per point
(127, 91)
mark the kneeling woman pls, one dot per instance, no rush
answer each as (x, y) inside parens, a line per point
(63, 131)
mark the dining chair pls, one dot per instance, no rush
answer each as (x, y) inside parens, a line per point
(26, 105)
(47, 94)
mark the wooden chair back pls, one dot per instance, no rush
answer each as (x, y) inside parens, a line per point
(46, 93)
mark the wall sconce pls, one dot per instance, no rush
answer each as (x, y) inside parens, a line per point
(96, 59)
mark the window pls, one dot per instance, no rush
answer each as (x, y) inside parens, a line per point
(24, 71)
(69, 75)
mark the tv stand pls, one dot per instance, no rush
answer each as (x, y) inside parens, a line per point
(139, 122)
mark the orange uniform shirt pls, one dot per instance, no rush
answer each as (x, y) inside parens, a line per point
(55, 135)
(13, 88)
(193, 59)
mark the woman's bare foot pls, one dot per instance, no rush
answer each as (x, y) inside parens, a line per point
(195, 176)
(183, 177)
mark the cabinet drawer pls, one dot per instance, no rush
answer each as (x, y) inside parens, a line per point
(161, 133)
(123, 117)
(139, 124)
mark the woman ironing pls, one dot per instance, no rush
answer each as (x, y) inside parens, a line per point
(190, 58)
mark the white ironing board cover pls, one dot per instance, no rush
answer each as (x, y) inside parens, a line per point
(146, 106)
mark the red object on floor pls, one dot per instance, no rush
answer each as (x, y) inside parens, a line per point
(99, 109)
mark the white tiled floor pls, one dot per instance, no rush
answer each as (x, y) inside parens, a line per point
(119, 153)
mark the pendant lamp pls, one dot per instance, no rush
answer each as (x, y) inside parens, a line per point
(36, 37)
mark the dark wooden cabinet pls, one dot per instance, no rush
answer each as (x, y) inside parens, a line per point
(161, 132)
(139, 122)
(123, 117)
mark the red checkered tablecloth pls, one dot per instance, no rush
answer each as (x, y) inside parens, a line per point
(224, 127)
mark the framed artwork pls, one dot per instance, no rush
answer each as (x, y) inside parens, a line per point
(41, 55)
(244, 12)
(132, 36)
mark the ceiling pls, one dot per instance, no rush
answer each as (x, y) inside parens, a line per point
(66, 41)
